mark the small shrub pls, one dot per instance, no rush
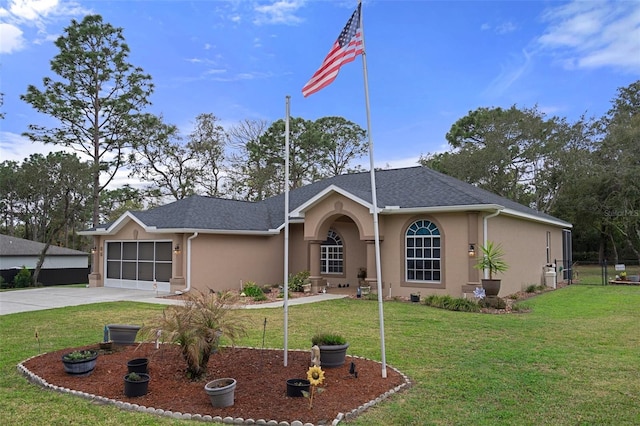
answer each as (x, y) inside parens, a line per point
(451, 304)
(4, 283)
(23, 278)
(251, 289)
(531, 288)
(260, 297)
(298, 280)
(493, 302)
(371, 296)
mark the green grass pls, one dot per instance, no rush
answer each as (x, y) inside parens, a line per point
(593, 274)
(573, 360)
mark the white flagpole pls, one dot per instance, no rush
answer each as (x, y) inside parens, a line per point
(375, 205)
(286, 229)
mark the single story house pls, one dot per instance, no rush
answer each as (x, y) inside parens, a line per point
(430, 226)
(61, 265)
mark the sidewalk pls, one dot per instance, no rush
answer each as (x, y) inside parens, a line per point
(36, 299)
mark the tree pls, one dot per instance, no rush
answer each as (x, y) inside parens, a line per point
(618, 166)
(513, 153)
(160, 158)
(207, 142)
(241, 183)
(95, 101)
(53, 193)
(120, 200)
(347, 143)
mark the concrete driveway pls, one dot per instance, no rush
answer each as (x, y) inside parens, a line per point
(36, 299)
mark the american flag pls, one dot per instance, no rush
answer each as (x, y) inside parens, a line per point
(344, 50)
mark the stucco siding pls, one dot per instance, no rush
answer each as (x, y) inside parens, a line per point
(525, 247)
(223, 262)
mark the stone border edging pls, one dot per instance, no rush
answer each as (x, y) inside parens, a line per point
(35, 379)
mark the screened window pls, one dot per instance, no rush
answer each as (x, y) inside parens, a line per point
(139, 260)
(331, 254)
(423, 254)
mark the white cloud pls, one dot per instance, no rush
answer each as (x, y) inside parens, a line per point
(279, 12)
(22, 16)
(11, 38)
(32, 10)
(594, 34)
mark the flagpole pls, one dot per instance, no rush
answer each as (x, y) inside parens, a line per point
(375, 204)
(286, 229)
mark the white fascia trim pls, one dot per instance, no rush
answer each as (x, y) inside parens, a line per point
(153, 229)
(554, 222)
(299, 212)
(441, 209)
(115, 226)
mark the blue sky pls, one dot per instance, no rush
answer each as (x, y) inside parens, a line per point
(429, 62)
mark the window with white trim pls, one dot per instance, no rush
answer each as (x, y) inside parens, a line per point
(423, 254)
(331, 254)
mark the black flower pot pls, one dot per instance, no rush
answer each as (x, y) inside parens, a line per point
(138, 365)
(296, 386)
(133, 388)
(123, 334)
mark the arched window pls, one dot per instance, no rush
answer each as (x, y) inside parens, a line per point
(422, 256)
(331, 254)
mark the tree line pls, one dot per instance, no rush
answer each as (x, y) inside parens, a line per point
(586, 172)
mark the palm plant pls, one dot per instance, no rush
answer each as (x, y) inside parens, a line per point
(492, 259)
(197, 325)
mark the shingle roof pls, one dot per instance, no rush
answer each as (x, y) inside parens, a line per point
(13, 246)
(408, 188)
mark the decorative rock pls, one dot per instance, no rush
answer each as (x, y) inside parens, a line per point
(176, 415)
(228, 420)
(238, 421)
(217, 419)
(261, 422)
(249, 422)
(296, 423)
(272, 423)
(160, 411)
(196, 417)
(186, 416)
(207, 418)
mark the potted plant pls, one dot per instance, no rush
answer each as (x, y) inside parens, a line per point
(333, 349)
(197, 325)
(296, 386)
(221, 392)
(123, 334)
(493, 262)
(136, 384)
(81, 362)
(138, 365)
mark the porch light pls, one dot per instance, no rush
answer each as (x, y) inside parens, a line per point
(472, 250)
(93, 250)
(176, 249)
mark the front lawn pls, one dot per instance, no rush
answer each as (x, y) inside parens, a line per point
(573, 360)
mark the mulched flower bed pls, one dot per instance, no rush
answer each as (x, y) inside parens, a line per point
(261, 382)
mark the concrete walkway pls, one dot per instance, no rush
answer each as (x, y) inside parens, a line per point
(36, 299)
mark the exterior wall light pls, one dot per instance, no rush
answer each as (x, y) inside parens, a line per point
(176, 249)
(472, 250)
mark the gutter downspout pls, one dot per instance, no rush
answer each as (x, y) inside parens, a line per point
(485, 238)
(188, 265)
